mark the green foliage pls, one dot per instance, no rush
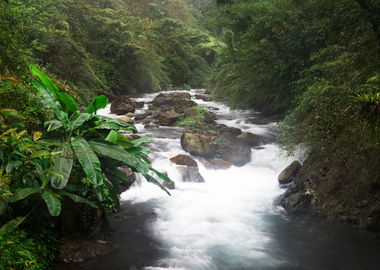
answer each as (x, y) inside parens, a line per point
(91, 147)
(93, 47)
(23, 251)
(191, 121)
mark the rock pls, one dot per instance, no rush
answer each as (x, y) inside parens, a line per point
(229, 133)
(198, 144)
(162, 100)
(131, 115)
(180, 95)
(140, 117)
(192, 174)
(139, 104)
(209, 117)
(78, 251)
(120, 107)
(124, 186)
(217, 164)
(168, 118)
(252, 140)
(170, 185)
(237, 153)
(151, 126)
(125, 119)
(177, 101)
(289, 173)
(184, 161)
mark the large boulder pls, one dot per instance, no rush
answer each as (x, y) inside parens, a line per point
(123, 105)
(198, 144)
(169, 118)
(184, 160)
(177, 101)
(289, 173)
(237, 153)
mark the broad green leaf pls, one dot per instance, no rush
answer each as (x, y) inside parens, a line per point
(142, 140)
(79, 120)
(52, 202)
(78, 199)
(62, 169)
(23, 193)
(99, 102)
(119, 153)
(51, 101)
(118, 139)
(161, 175)
(89, 161)
(46, 81)
(67, 102)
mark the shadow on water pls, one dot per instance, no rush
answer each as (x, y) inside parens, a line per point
(131, 232)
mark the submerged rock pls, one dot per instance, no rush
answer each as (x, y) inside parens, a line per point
(289, 173)
(217, 164)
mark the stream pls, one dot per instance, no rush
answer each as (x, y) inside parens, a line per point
(229, 222)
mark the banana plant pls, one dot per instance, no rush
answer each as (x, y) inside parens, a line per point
(92, 148)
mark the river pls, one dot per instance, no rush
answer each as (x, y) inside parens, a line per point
(230, 222)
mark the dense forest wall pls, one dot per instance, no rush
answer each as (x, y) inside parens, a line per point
(106, 46)
(317, 63)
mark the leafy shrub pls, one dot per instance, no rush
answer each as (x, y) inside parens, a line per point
(197, 119)
(21, 250)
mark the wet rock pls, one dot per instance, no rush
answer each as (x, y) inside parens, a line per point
(217, 164)
(192, 174)
(289, 173)
(170, 186)
(180, 95)
(237, 153)
(198, 144)
(184, 160)
(252, 140)
(78, 251)
(124, 186)
(122, 106)
(177, 101)
(139, 104)
(209, 117)
(140, 117)
(169, 118)
(151, 126)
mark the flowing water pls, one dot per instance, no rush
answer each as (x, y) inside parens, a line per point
(229, 222)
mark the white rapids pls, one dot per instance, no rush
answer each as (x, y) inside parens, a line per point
(218, 224)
